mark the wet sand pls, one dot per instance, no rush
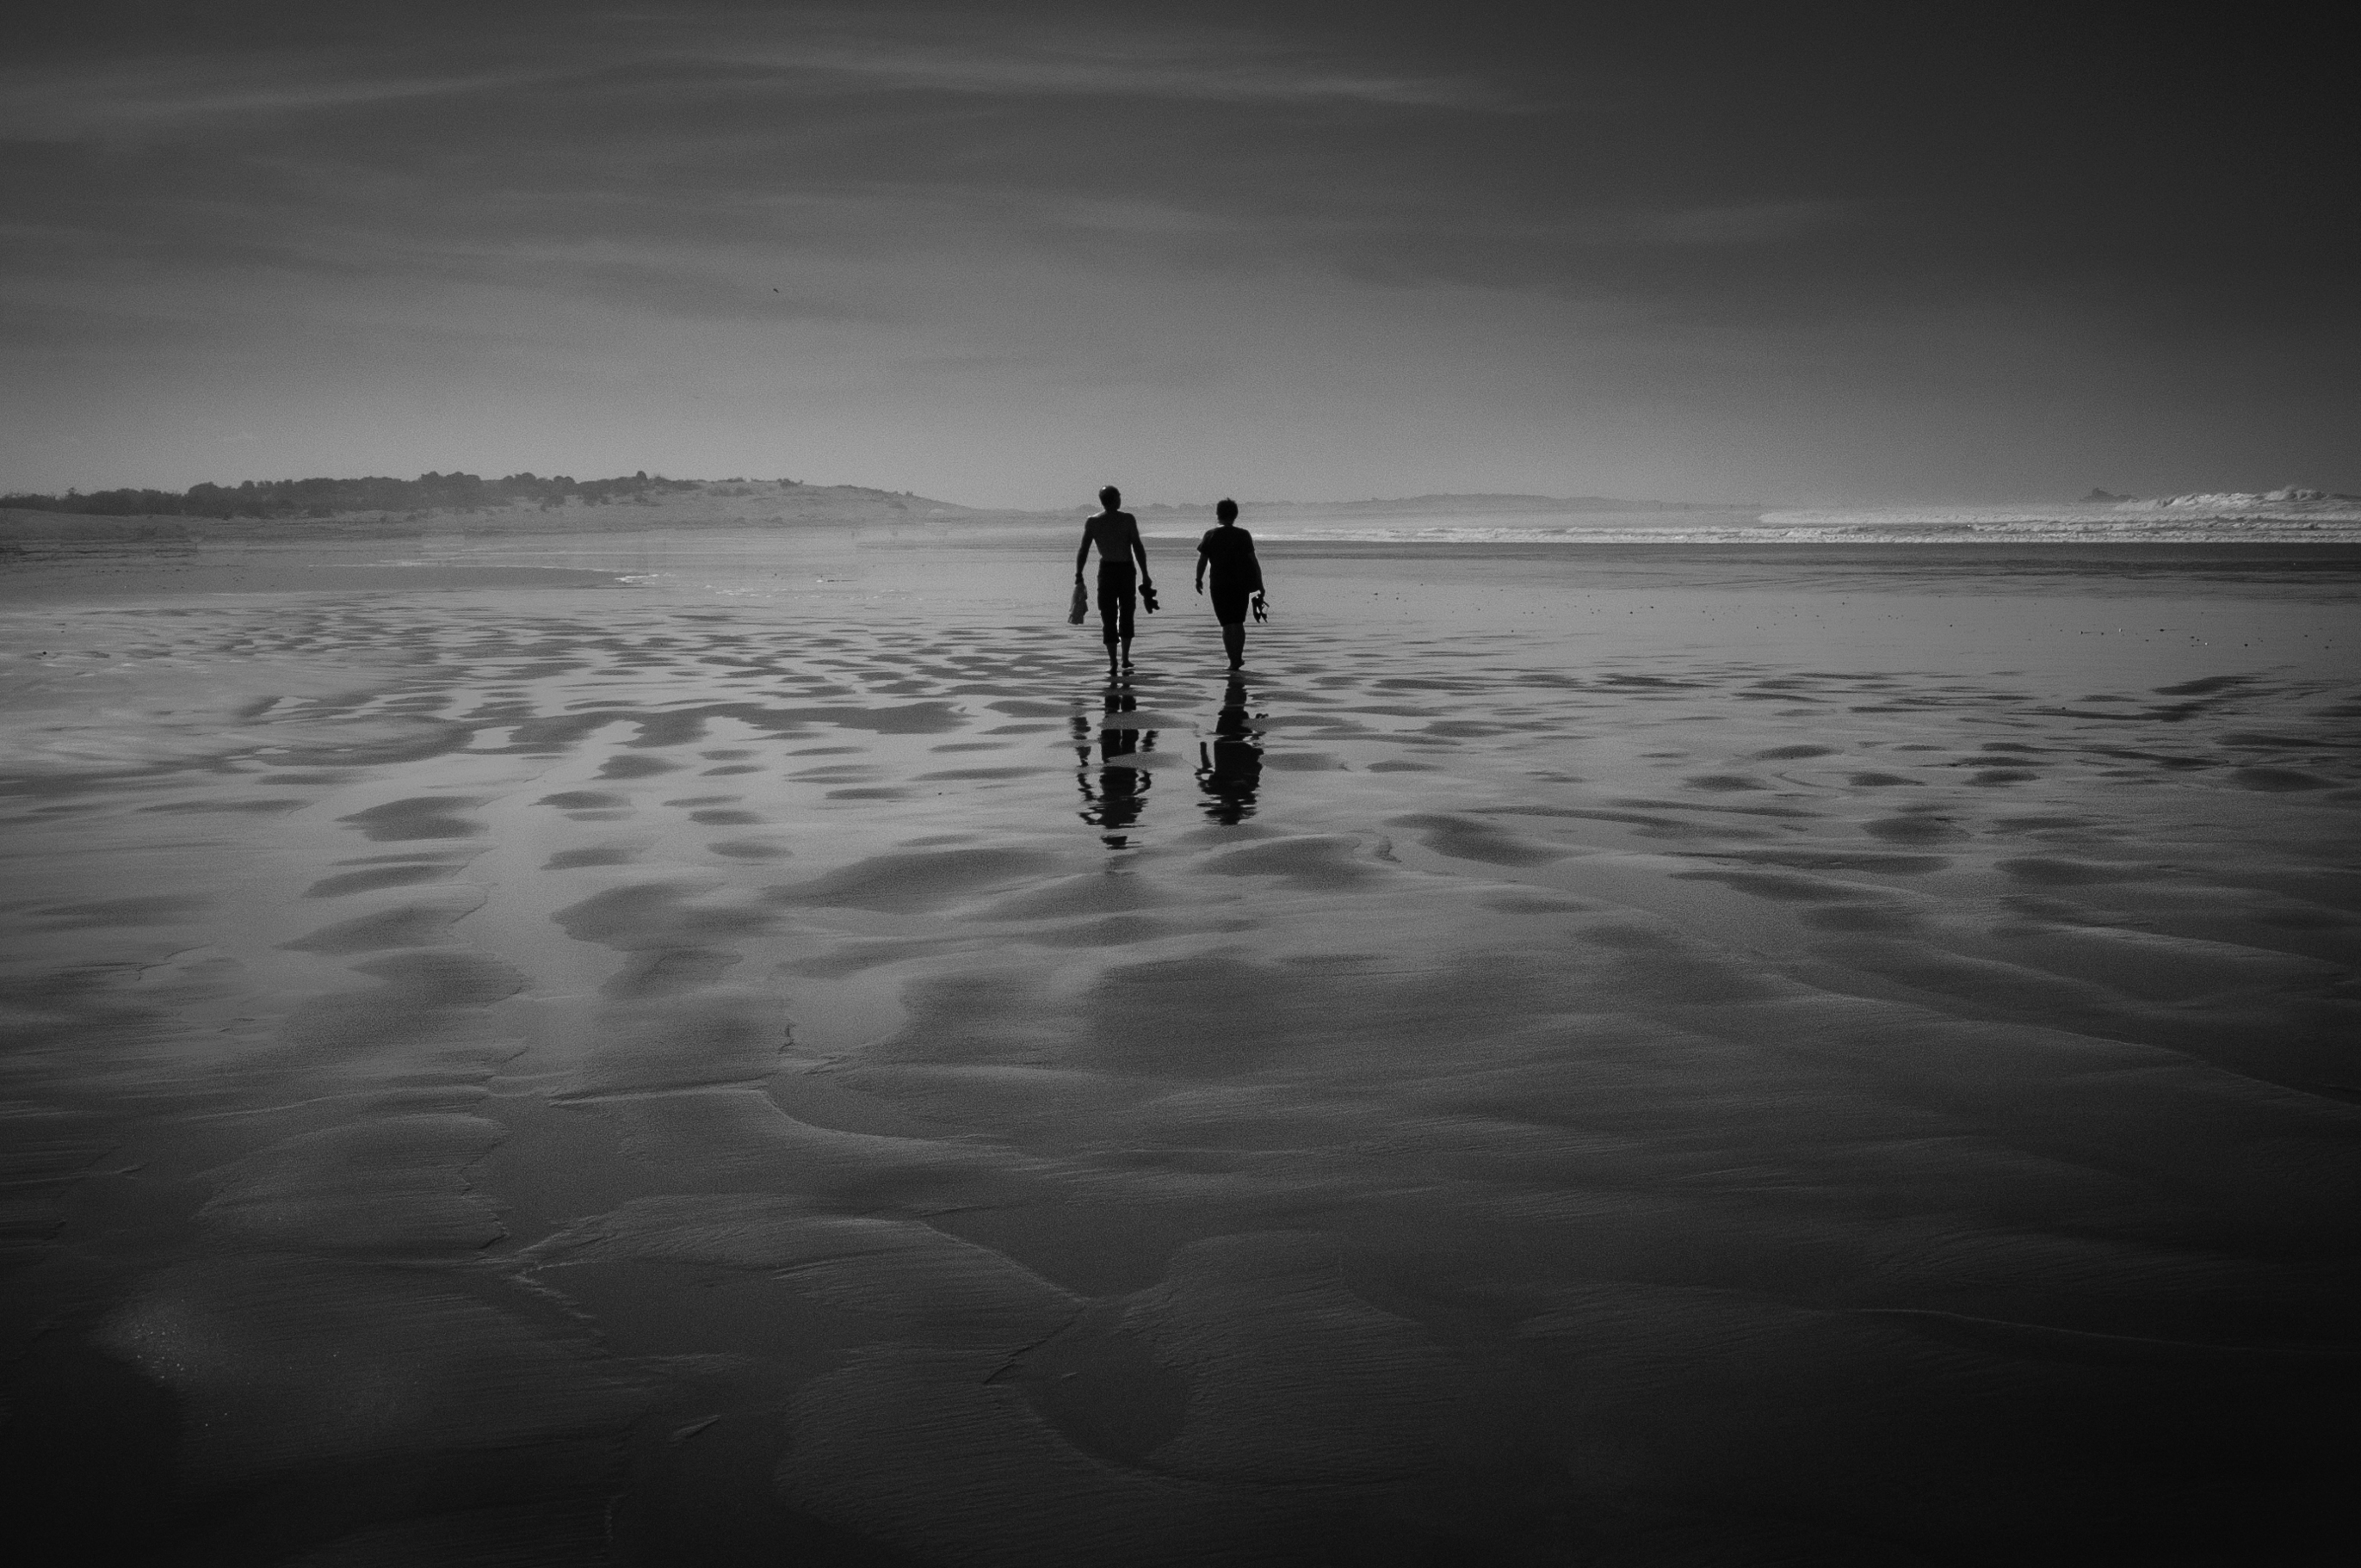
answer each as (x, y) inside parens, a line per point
(731, 1048)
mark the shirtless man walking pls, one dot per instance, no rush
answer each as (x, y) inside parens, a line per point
(1117, 533)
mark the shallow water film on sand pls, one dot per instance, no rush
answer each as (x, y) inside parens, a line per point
(1640, 1059)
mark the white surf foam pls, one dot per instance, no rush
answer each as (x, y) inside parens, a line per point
(2210, 520)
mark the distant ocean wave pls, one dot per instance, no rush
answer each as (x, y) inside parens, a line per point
(2139, 523)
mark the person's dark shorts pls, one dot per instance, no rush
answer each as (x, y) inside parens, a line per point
(1230, 604)
(1119, 598)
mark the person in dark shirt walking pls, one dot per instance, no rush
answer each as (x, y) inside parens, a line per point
(1117, 533)
(1228, 552)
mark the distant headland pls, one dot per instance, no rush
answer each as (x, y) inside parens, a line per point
(415, 499)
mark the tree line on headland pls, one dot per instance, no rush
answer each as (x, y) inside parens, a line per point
(329, 497)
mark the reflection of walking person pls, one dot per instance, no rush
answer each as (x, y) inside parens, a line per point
(1122, 773)
(1117, 533)
(1229, 551)
(1230, 770)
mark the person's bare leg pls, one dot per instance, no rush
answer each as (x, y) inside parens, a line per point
(1234, 644)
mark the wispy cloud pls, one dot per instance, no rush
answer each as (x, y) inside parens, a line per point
(974, 50)
(180, 94)
(1218, 70)
(794, 51)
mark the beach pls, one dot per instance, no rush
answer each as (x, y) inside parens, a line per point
(715, 1045)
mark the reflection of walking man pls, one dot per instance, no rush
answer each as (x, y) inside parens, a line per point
(1117, 533)
(1229, 551)
(1123, 776)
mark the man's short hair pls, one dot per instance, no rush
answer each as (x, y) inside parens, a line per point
(1109, 496)
(1225, 510)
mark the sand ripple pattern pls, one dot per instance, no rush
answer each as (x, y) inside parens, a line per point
(617, 1076)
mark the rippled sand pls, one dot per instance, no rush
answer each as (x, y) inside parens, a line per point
(1576, 1058)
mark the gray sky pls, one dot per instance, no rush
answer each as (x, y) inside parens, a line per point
(1002, 253)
